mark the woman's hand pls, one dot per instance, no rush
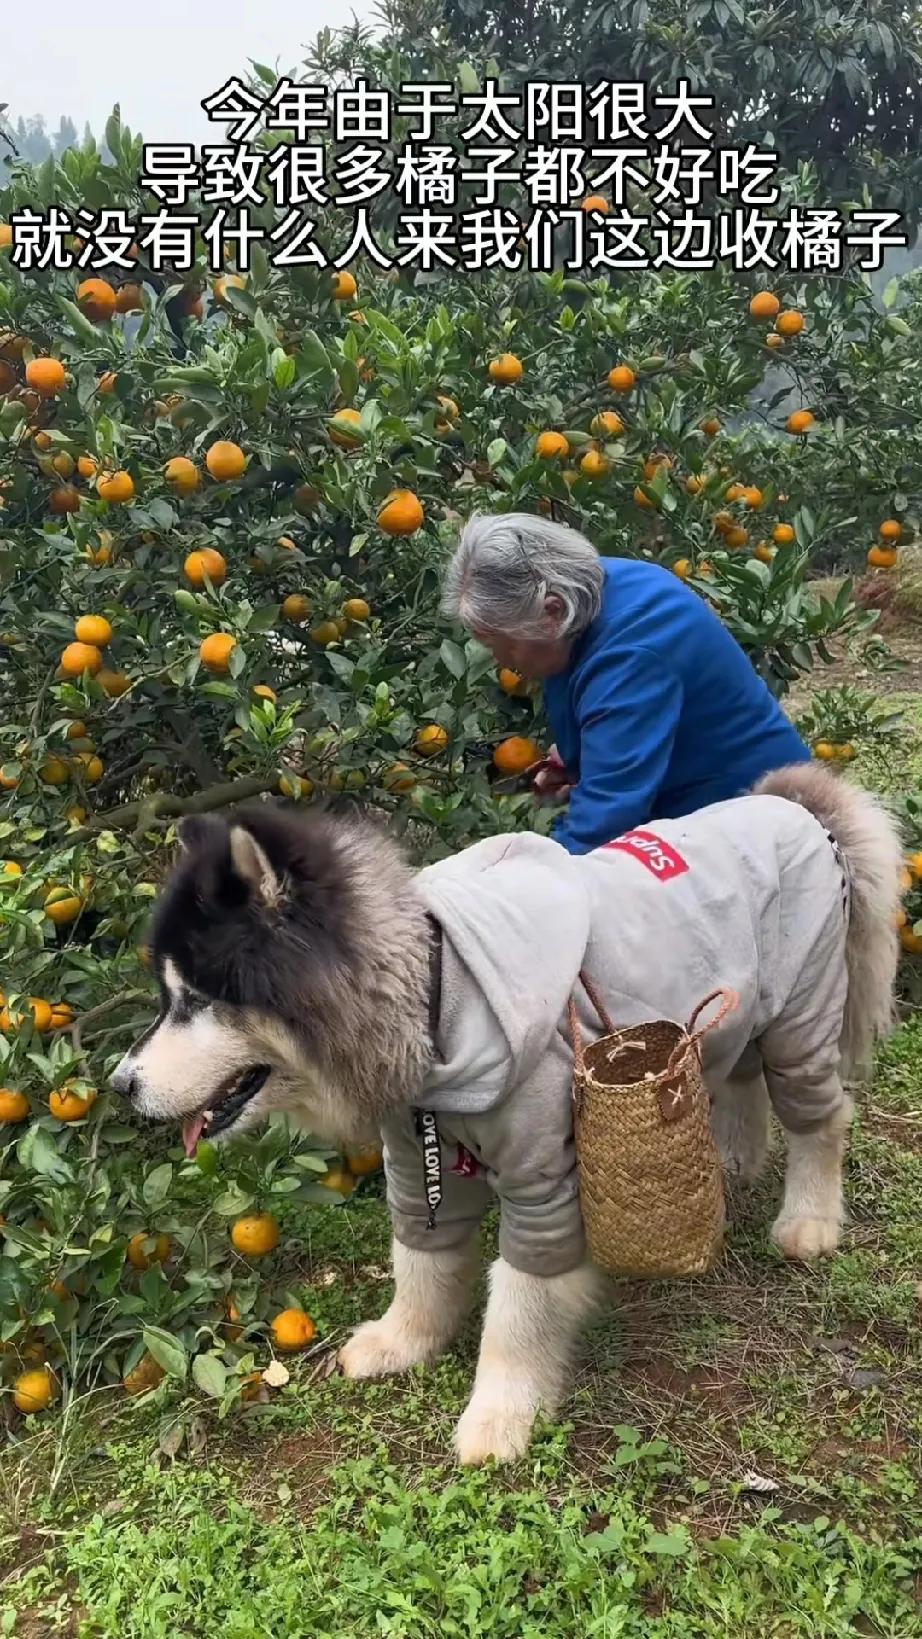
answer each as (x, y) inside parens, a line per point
(550, 779)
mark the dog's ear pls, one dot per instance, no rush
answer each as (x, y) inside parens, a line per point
(253, 866)
(195, 830)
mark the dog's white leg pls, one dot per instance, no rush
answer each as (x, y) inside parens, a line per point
(530, 1327)
(432, 1296)
(810, 1221)
(740, 1121)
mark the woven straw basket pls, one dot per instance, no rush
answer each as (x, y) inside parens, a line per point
(651, 1187)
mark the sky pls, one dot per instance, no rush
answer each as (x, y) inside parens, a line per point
(68, 63)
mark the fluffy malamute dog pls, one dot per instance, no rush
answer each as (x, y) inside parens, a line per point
(304, 967)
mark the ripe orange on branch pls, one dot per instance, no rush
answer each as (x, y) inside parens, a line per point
(183, 474)
(622, 378)
(256, 1234)
(215, 651)
(93, 629)
(205, 565)
(551, 444)
(225, 460)
(764, 305)
(79, 658)
(515, 755)
(402, 513)
(506, 369)
(67, 1105)
(117, 487)
(96, 299)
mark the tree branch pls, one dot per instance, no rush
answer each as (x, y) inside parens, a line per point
(164, 806)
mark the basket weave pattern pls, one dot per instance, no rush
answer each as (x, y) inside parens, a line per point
(651, 1187)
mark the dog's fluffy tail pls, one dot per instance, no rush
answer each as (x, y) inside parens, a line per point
(870, 842)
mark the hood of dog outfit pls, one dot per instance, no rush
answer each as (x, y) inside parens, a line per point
(744, 888)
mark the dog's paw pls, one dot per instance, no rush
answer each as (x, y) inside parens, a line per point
(806, 1238)
(379, 1349)
(488, 1430)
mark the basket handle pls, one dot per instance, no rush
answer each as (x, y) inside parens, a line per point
(596, 1000)
(729, 1000)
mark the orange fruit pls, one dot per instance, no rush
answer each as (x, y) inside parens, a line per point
(790, 322)
(773, 340)
(228, 281)
(735, 492)
(551, 444)
(64, 465)
(883, 557)
(42, 441)
(506, 369)
(431, 740)
(642, 500)
(338, 1180)
(263, 692)
(825, 751)
(292, 1329)
(607, 424)
(296, 607)
(92, 767)
(891, 530)
(93, 629)
(96, 299)
(515, 755)
(62, 907)
(145, 1375)
(710, 427)
(9, 782)
(183, 474)
(511, 682)
(46, 376)
(622, 378)
(450, 409)
(296, 787)
(64, 499)
(215, 651)
(7, 377)
(205, 565)
(54, 771)
(118, 488)
(147, 1247)
(341, 437)
(736, 537)
(87, 466)
(225, 460)
(401, 513)
(596, 202)
(324, 634)
(129, 299)
(764, 552)
(399, 778)
(66, 1105)
(6, 235)
(764, 305)
(783, 534)
(595, 465)
(62, 1015)
(801, 421)
(287, 544)
(115, 684)
(344, 286)
(14, 1106)
(79, 658)
(694, 484)
(41, 1017)
(682, 568)
(914, 865)
(357, 609)
(33, 1391)
(10, 868)
(106, 383)
(364, 1161)
(256, 1234)
(911, 942)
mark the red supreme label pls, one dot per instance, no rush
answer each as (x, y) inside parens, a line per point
(661, 860)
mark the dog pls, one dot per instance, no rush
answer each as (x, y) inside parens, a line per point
(304, 967)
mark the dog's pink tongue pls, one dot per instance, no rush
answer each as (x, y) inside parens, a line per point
(192, 1131)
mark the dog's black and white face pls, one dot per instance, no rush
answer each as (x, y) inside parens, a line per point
(252, 948)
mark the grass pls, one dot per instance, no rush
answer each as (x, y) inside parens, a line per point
(740, 1457)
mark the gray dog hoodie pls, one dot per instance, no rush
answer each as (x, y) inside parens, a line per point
(749, 894)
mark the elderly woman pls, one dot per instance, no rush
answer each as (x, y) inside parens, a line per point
(655, 709)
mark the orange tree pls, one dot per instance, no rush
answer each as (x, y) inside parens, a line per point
(225, 504)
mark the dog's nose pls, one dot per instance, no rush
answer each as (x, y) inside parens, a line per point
(124, 1079)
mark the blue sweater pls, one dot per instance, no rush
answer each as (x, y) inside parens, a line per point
(659, 711)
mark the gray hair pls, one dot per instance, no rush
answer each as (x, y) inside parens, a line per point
(507, 564)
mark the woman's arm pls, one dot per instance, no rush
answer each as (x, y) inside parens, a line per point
(628, 712)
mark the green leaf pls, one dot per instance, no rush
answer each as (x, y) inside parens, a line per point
(167, 1351)
(468, 79)
(496, 450)
(38, 1152)
(674, 1544)
(80, 322)
(157, 1184)
(452, 658)
(891, 291)
(114, 134)
(284, 372)
(210, 1374)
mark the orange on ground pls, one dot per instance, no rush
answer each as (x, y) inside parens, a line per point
(79, 658)
(622, 378)
(255, 1235)
(891, 530)
(344, 286)
(515, 755)
(93, 629)
(800, 421)
(64, 499)
(117, 487)
(66, 1105)
(33, 1391)
(145, 1375)
(205, 565)
(113, 683)
(296, 607)
(550, 444)
(764, 305)
(147, 1247)
(356, 609)
(682, 568)
(340, 436)
(292, 1329)
(431, 740)
(14, 1106)
(183, 474)
(215, 651)
(402, 513)
(595, 465)
(225, 460)
(506, 369)
(790, 322)
(96, 299)
(883, 557)
(783, 534)
(129, 299)
(338, 1180)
